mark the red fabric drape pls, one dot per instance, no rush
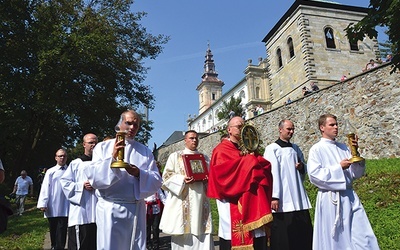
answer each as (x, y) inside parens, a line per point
(246, 182)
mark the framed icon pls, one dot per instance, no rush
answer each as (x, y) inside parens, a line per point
(195, 166)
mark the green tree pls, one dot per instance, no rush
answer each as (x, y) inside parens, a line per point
(386, 48)
(233, 104)
(68, 68)
(381, 13)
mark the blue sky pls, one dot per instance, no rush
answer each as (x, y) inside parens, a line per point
(234, 30)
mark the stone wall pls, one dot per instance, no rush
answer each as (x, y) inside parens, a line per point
(370, 101)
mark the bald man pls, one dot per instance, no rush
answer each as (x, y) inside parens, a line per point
(121, 209)
(242, 184)
(82, 198)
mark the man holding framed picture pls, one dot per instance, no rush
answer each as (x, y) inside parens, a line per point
(187, 212)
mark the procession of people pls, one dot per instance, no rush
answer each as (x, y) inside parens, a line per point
(116, 195)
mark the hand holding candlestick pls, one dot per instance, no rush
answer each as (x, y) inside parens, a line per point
(121, 150)
(352, 141)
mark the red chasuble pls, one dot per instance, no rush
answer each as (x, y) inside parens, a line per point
(246, 182)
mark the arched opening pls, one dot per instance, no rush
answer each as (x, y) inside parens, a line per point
(290, 47)
(329, 38)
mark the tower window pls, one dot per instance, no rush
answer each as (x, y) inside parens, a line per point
(290, 47)
(354, 46)
(279, 57)
(213, 96)
(329, 38)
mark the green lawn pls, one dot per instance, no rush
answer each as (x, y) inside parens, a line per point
(26, 231)
(379, 193)
(378, 190)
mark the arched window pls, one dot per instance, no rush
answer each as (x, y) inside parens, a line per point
(329, 38)
(279, 57)
(216, 114)
(242, 95)
(290, 47)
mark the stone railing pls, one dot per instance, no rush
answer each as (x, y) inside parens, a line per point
(370, 101)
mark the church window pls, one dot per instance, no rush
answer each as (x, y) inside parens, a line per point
(216, 114)
(290, 47)
(353, 46)
(279, 57)
(242, 95)
(329, 38)
(213, 96)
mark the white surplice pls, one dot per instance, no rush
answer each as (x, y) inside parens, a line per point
(340, 219)
(121, 210)
(187, 211)
(82, 207)
(51, 195)
(287, 180)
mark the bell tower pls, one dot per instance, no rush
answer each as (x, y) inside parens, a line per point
(210, 88)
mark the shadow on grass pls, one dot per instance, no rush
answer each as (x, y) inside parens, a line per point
(26, 231)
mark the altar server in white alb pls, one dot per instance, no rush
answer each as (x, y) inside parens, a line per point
(291, 227)
(340, 219)
(121, 209)
(54, 203)
(187, 211)
(82, 198)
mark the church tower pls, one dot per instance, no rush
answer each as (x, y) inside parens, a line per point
(309, 45)
(210, 88)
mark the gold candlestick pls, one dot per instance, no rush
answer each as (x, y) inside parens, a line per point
(355, 155)
(349, 131)
(121, 152)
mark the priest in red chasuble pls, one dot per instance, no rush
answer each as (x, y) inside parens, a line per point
(242, 185)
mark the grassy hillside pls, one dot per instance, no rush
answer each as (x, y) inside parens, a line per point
(378, 190)
(380, 195)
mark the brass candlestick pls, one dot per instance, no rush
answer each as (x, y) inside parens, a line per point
(121, 152)
(349, 130)
(355, 155)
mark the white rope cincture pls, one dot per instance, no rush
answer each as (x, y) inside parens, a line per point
(78, 240)
(338, 217)
(134, 227)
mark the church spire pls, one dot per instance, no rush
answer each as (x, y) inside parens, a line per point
(209, 66)
(210, 88)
